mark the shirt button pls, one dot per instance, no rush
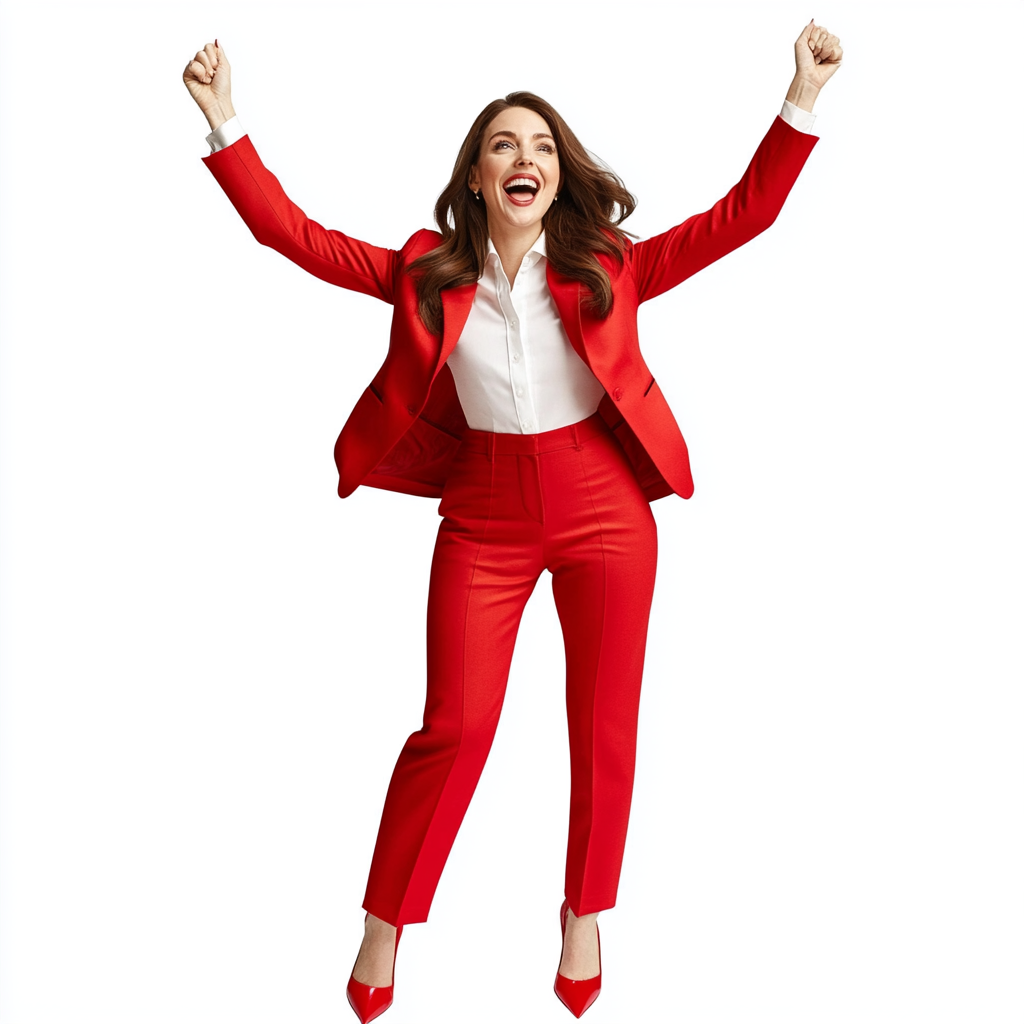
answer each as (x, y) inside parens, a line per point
(515, 357)
(519, 392)
(513, 323)
(526, 425)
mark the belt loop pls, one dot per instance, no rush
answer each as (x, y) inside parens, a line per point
(575, 439)
(491, 445)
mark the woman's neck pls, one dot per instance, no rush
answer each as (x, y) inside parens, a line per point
(512, 246)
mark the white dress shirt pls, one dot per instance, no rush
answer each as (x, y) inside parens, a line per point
(515, 370)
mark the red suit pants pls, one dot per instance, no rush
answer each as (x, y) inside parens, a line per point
(568, 501)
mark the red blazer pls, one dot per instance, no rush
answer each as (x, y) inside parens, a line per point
(406, 426)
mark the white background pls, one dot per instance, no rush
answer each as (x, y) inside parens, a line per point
(210, 663)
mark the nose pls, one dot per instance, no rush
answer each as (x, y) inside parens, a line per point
(524, 159)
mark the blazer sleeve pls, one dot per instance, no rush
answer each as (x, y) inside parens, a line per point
(277, 222)
(752, 205)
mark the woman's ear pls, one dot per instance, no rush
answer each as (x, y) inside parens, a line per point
(474, 179)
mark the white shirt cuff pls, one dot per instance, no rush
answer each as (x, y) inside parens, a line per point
(798, 118)
(229, 133)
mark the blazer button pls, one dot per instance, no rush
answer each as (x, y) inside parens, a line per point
(411, 410)
(617, 394)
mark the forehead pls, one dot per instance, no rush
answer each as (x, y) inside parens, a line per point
(517, 121)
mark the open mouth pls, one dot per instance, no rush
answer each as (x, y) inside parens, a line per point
(522, 189)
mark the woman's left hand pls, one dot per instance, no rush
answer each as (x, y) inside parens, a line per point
(818, 54)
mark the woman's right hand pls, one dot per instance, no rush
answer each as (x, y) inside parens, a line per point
(208, 78)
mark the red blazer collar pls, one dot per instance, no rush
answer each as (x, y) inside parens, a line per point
(566, 293)
(457, 303)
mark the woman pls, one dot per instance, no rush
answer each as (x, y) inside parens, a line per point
(514, 390)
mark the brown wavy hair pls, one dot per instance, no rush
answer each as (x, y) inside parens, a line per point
(591, 204)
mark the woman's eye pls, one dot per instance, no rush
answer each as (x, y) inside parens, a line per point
(503, 142)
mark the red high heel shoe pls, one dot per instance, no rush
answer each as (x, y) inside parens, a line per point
(578, 996)
(370, 1001)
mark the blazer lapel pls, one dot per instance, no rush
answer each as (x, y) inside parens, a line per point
(456, 302)
(566, 294)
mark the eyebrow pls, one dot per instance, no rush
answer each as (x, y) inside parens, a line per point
(512, 135)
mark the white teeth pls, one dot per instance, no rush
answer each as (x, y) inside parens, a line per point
(522, 181)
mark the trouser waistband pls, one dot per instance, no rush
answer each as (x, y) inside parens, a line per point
(572, 436)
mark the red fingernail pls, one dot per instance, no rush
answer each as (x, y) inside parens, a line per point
(215, 43)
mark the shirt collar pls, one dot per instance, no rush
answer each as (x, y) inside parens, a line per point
(539, 248)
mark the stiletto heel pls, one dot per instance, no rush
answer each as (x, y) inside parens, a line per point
(578, 996)
(370, 1001)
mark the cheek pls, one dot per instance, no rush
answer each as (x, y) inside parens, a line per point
(554, 175)
(485, 176)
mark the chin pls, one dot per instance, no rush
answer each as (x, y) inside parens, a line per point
(523, 222)
(535, 216)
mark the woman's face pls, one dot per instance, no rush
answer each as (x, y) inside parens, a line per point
(516, 171)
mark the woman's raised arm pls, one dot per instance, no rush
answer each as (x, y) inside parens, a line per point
(751, 206)
(271, 216)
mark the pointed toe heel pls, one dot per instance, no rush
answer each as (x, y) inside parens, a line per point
(370, 1001)
(578, 996)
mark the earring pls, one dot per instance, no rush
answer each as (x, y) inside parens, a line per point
(556, 198)
(476, 194)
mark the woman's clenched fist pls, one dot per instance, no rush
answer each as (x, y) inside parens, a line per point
(818, 54)
(208, 79)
